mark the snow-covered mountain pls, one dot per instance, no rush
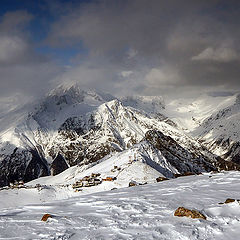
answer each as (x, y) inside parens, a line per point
(27, 132)
(189, 113)
(220, 132)
(71, 126)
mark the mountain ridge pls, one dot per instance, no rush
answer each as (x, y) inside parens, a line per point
(72, 126)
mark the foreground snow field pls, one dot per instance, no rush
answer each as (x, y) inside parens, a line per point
(141, 212)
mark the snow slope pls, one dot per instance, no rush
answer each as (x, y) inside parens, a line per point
(138, 170)
(189, 113)
(141, 164)
(141, 212)
(221, 132)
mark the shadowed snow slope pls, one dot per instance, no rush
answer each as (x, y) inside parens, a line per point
(141, 212)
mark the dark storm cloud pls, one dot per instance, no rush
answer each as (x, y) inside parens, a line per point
(164, 44)
(21, 69)
(123, 46)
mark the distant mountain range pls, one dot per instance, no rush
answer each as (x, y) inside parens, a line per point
(75, 127)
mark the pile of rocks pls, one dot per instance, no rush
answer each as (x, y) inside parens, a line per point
(133, 183)
(184, 212)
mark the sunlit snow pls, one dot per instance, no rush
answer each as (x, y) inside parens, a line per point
(141, 212)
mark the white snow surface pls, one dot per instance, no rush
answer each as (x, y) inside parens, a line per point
(221, 130)
(132, 167)
(141, 212)
(189, 113)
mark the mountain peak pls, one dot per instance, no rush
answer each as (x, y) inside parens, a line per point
(63, 89)
(79, 94)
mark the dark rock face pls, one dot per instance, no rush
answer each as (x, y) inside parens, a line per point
(23, 165)
(80, 134)
(221, 164)
(186, 161)
(179, 157)
(58, 165)
(234, 153)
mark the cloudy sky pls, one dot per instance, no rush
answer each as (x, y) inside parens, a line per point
(146, 47)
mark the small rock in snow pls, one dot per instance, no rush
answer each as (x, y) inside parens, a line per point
(160, 179)
(230, 200)
(45, 217)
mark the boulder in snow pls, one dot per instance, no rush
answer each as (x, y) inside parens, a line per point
(132, 184)
(45, 217)
(184, 212)
(160, 179)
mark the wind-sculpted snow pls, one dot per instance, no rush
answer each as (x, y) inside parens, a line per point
(141, 212)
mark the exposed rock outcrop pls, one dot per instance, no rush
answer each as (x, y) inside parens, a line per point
(21, 164)
(58, 165)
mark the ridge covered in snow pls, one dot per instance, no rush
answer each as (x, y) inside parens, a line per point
(189, 113)
(221, 132)
(72, 126)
